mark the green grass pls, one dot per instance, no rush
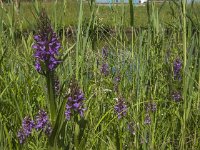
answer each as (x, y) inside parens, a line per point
(67, 14)
(144, 61)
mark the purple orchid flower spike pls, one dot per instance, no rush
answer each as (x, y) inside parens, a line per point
(42, 122)
(75, 101)
(46, 46)
(26, 130)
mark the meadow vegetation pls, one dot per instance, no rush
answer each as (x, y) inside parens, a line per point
(66, 14)
(99, 87)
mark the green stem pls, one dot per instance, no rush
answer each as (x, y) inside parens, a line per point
(131, 13)
(184, 68)
(79, 36)
(76, 134)
(184, 34)
(51, 95)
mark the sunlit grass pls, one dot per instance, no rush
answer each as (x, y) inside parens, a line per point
(144, 61)
(66, 15)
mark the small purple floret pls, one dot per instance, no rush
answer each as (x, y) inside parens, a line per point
(105, 69)
(120, 108)
(48, 129)
(151, 106)
(26, 130)
(27, 125)
(177, 68)
(75, 104)
(117, 79)
(147, 119)
(21, 136)
(42, 122)
(176, 96)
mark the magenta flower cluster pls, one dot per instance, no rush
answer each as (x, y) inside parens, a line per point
(147, 119)
(75, 103)
(177, 68)
(176, 96)
(42, 123)
(26, 130)
(46, 46)
(151, 106)
(46, 50)
(105, 69)
(120, 108)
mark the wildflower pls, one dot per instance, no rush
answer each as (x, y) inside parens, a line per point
(21, 136)
(68, 112)
(147, 119)
(117, 79)
(120, 108)
(176, 96)
(48, 129)
(177, 68)
(75, 102)
(42, 120)
(46, 46)
(27, 125)
(151, 106)
(105, 69)
(26, 130)
(148, 107)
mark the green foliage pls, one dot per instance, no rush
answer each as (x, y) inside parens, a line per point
(143, 58)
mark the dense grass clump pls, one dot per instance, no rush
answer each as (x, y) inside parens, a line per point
(124, 87)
